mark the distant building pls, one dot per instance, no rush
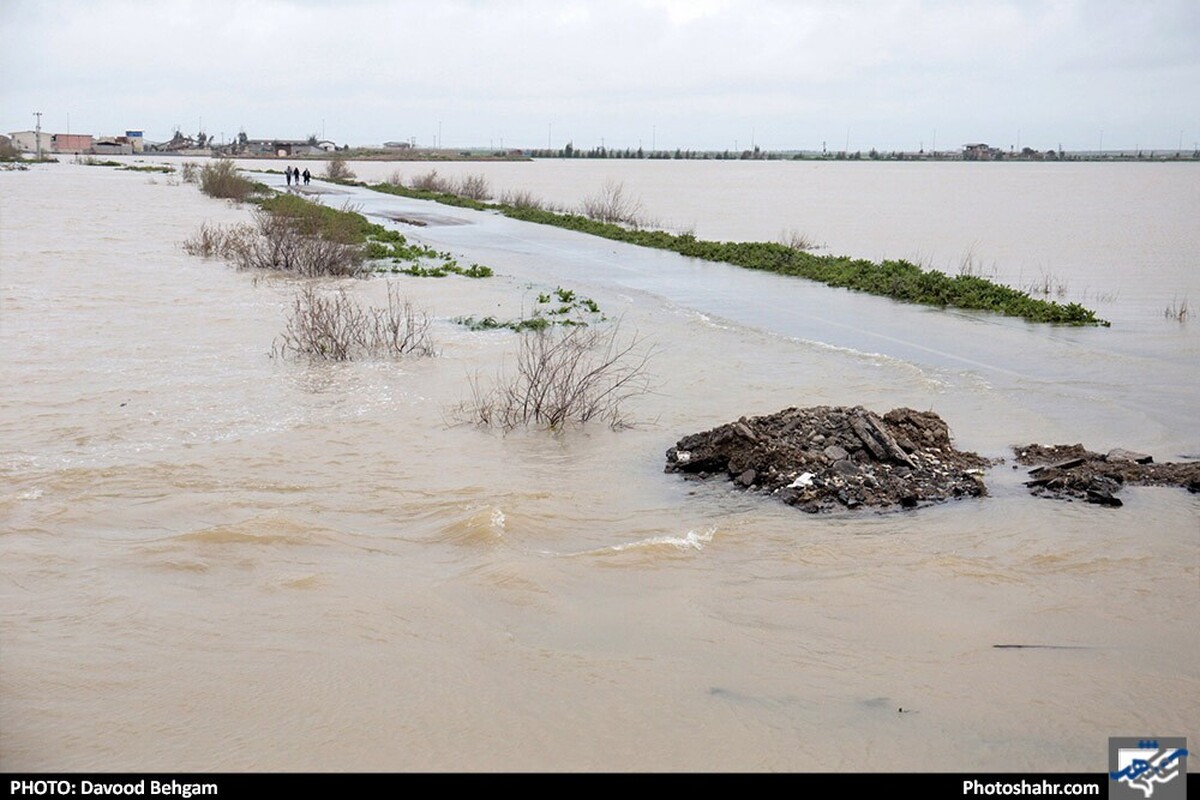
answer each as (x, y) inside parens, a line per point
(27, 141)
(397, 145)
(112, 146)
(283, 148)
(71, 142)
(137, 140)
(981, 152)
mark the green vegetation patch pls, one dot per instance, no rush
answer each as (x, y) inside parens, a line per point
(379, 244)
(898, 280)
(444, 269)
(314, 219)
(445, 198)
(222, 179)
(562, 307)
(163, 168)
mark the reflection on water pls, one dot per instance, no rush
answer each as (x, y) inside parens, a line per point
(216, 560)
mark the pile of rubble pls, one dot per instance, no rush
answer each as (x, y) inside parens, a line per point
(1070, 472)
(836, 457)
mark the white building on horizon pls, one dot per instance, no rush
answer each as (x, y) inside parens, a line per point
(27, 141)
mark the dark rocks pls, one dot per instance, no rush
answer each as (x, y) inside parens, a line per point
(834, 453)
(1120, 454)
(1070, 472)
(826, 457)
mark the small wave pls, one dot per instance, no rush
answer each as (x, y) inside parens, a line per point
(519, 587)
(258, 531)
(182, 565)
(704, 319)
(310, 581)
(689, 541)
(483, 526)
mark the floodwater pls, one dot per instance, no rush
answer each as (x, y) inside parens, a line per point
(217, 560)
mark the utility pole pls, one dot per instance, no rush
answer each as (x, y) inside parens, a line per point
(37, 134)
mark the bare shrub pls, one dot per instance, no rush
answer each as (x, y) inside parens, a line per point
(215, 240)
(797, 241)
(969, 264)
(563, 377)
(430, 182)
(278, 242)
(521, 199)
(396, 179)
(337, 170)
(1047, 285)
(189, 172)
(474, 187)
(1178, 310)
(614, 206)
(222, 179)
(335, 327)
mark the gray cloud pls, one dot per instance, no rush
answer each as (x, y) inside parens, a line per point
(687, 73)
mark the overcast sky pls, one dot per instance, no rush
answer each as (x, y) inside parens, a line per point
(701, 74)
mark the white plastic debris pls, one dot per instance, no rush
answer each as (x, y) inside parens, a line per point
(805, 479)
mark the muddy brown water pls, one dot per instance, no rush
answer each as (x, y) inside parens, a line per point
(219, 561)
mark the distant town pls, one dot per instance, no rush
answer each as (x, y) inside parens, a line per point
(45, 144)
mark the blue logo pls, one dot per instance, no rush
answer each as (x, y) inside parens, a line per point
(1148, 768)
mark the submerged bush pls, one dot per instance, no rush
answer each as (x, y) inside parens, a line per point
(521, 199)
(282, 244)
(288, 237)
(335, 327)
(563, 377)
(474, 187)
(430, 182)
(220, 242)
